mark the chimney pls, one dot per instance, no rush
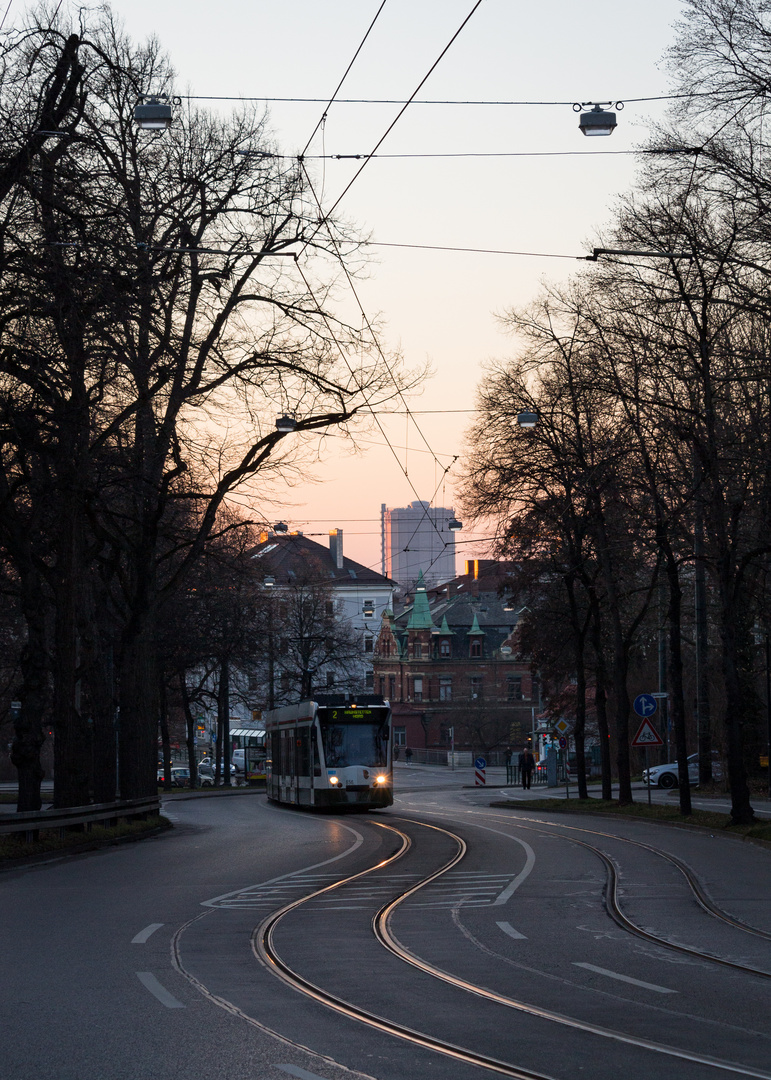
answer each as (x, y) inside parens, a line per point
(336, 547)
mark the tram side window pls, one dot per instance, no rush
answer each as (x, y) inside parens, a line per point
(275, 751)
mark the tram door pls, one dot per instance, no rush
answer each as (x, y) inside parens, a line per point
(288, 778)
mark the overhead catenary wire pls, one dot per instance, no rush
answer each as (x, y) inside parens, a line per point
(324, 223)
(424, 101)
(345, 75)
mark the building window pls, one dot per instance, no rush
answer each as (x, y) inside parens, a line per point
(476, 687)
(330, 678)
(400, 736)
(382, 686)
(445, 688)
(368, 609)
(417, 689)
(476, 647)
(329, 607)
(444, 648)
(369, 643)
(369, 680)
(392, 687)
(513, 687)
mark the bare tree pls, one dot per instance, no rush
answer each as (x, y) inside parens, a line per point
(177, 296)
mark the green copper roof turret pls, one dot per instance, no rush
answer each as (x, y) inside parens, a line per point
(420, 616)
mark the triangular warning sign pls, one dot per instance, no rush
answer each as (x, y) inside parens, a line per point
(647, 735)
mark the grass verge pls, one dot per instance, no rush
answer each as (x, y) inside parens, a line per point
(12, 849)
(669, 815)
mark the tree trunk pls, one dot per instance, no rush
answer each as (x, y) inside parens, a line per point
(223, 718)
(29, 734)
(675, 701)
(138, 718)
(601, 698)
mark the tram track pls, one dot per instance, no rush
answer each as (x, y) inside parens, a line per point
(695, 885)
(265, 950)
(263, 945)
(613, 908)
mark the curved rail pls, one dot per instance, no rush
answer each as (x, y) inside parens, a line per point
(387, 938)
(264, 949)
(695, 885)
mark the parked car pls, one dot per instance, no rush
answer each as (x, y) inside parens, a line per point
(665, 776)
(207, 768)
(180, 776)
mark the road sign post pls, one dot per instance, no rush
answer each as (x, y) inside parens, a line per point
(479, 772)
(646, 736)
(564, 746)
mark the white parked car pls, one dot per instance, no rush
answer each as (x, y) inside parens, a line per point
(665, 776)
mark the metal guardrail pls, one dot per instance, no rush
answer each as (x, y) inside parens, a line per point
(31, 822)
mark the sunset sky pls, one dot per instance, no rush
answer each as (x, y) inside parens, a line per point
(438, 306)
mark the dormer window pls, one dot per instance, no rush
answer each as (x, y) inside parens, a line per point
(476, 647)
(444, 648)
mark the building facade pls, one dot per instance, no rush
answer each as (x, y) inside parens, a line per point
(450, 664)
(417, 539)
(340, 636)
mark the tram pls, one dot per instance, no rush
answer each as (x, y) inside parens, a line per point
(331, 752)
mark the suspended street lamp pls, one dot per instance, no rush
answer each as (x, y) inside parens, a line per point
(280, 527)
(527, 419)
(285, 424)
(454, 525)
(153, 113)
(596, 121)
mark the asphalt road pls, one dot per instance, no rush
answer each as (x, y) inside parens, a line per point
(149, 960)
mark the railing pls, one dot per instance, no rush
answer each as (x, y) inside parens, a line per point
(514, 776)
(31, 822)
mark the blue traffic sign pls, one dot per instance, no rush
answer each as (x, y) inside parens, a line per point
(645, 705)
(480, 763)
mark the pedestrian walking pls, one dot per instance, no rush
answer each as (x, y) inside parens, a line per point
(408, 754)
(526, 763)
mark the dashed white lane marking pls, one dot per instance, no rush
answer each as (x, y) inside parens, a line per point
(509, 929)
(301, 1073)
(149, 980)
(625, 978)
(143, 935)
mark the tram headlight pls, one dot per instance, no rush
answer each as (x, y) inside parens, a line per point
(382, 779)
(334, 781)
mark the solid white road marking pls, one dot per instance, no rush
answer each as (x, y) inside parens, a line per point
(149, 980)
(529, 864)
(509, 929)
(625, 978)
(301, 1073)
(143, 935)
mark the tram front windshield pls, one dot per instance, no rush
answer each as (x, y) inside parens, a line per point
(354, 740)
